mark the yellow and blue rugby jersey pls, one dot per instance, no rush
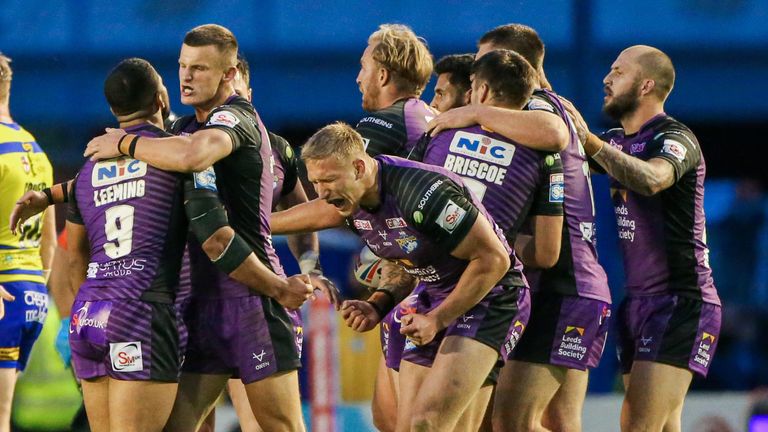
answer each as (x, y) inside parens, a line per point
(23, 167)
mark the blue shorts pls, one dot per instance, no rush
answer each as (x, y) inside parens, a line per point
(22, 323)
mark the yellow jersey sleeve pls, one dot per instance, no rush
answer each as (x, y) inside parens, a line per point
(23, 167)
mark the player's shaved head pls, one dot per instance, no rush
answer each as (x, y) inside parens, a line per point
(6, 75)
(519, 38)
(405, 55)
(220, 37)
(131, 87)
(656, 65)
(337, 140)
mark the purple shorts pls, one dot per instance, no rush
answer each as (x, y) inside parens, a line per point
(130, 340)
(670, 329)
(249, 338)
(566, 331)
(489, 322)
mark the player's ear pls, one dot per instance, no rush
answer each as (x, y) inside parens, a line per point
(359, 165)
(384, 76)
(647, 87)
(230, 74)
(467, 98)
(485, 93)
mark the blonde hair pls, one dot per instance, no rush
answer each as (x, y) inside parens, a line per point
(337, 140)
(6, 75)
(405, 55)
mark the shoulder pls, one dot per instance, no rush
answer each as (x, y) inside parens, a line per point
(281, 148)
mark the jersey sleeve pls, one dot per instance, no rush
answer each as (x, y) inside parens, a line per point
(289, 161)
(679, 148)
(539, 101)
(419, 150)
(229, 119)
(443, 211)
(551, 192)
(73, 211)
(382, 134)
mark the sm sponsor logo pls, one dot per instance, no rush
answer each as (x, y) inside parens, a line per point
(483, 148)
(117, 170)
(126, 356)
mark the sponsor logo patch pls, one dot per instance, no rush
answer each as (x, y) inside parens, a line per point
(408, 244)
(483, 148)
(556, 188)
(395, 223)
(362, 224)
(223, 118)
(126, 356)
(205, 179)
(117, 170)
(451, 216)
(675, 149)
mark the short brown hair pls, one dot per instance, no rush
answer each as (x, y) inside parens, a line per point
(219, 36)
(337, 140)
(519, 38)
(6, 75)
(656, 65)
(405, 55)
(244, 69)
(509, 76)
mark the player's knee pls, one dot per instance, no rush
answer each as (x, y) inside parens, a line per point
(382, 420)
(562, 420)
(517, 421)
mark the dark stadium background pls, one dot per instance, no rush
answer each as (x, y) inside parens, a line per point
(304, 57)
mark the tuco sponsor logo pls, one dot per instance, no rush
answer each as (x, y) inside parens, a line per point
(81, 319)
(395, 223)
(406, 307)
(223, 118)
(451, 216)
(572, 344)
(260, 358)
(556, 188)
(703, 355)
(362, 224)
(126, 356)
(675, 149)
(114, 171)
(483, 148)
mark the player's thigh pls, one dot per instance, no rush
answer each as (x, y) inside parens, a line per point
(276, 402)
(96, 401)
(239, 400)
(410, 379)
(138, 406)
(196, 396)
(460, 368)
(472, 418)
(384, 402)
(655, 391)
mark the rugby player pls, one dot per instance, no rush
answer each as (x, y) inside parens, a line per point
(547, 378)
(669, 322)
(452, 85)
(24, 258)
(234, 332)
(512, 181)
(426, 219)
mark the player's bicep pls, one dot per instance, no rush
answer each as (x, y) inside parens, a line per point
(664, 171)
(480, 240)
(678, 150)
(447, 216)
(205, 212)
(208, 146)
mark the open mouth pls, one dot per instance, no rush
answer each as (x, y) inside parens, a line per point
(337, 202)
(186, 90)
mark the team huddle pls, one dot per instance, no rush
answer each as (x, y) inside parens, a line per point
(477, 208)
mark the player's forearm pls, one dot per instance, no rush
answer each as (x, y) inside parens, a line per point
(170, 153)
(635, 174)
(311, 216)
(301, 244)
(256, 276)
(541, 250)
(48, 239)
(480, 276)
(538, 130)
(59, 283)
(394, 285)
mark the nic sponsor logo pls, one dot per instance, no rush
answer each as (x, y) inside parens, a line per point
(112, 171)
(482, 147)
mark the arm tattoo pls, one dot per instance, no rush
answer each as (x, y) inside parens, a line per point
(635, 174)
(396, 280)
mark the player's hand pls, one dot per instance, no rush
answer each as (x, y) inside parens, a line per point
(327, 287)
(62, 343)
(104, 146)
(421, 329)
(359, 315)
(30, 204)
(4, 297)
(582, 129)
(454, 118)
(298, 290)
